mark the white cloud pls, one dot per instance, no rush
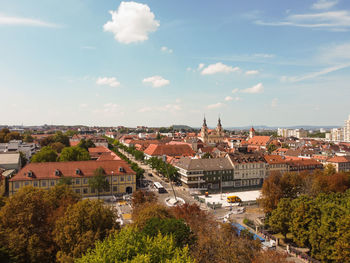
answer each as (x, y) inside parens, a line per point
(252, 72)
(218, 68)
(314, 74)
(200, 66)
(324, 4)
(338, 53)
(189, 69)
(228, 98)
(156, 81)
(166, 50)
(235, 91)
(22, 21)
(333, 20)
(132, 22)
(258, 88)
(112, 82)
(274, 103)
(145, 109)
(215, 106)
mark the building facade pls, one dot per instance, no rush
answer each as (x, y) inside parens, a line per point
(121, 178)
(212, 136)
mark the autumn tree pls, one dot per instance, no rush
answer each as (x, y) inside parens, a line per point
(57, 146)
(270, 256)
(140, 198)
(141, 214)
(81, 226)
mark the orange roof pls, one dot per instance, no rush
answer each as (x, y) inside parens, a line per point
(259, 140)
(99, 149)
(108, 157)
(169, 149)
(339, 159)
(73, 143)
(68, 169)
(274, 159)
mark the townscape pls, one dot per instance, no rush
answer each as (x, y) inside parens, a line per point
(147, 131)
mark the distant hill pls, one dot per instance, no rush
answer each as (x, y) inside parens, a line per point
(264, 127)
(181, 127)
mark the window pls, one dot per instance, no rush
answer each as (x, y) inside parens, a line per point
(52, 183)
(43, 184)
(77, 181)
(26, 183)
(122, 178)
(115, 189)
(85, 181)
(77, 191)
(16, 185)
(129, 178)
(35, 184)
(85, 191)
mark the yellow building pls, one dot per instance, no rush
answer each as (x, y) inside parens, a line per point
(121, 178)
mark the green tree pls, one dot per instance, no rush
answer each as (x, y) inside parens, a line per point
(74, 153)
(60, 137)
(271, 148)
(180, 232)
(65, 180)
(81, 226)
(28, 138)
(86, 144)
(24, 159)
(279, 221)
(207, 155)
(46, 154)
(131, 246)
(99, 181)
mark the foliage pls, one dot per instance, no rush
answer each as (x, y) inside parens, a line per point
(132, 246)
(180, 232)
(99, 181)
(46, 154)
(26, 222)
(83, 223)
(23, 158)
(141, 214)
(65, 180)
(28, 138)
(74, 153)
(207, 155)
(70, 133)
(6, 135)
(164, 168)
(60, 137)
(86, 144)
(141, 198)
(271, 148)
(57, 146)
(270, 256)
(279, 221)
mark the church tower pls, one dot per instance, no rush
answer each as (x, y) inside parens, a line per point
(204, 131)
(219, 130)
(251, 132)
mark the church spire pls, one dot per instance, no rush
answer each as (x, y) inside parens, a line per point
(204, 122)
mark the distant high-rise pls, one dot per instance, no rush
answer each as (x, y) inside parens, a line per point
(347, 130)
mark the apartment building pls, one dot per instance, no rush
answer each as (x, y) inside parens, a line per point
(121, 178)
(297, 133)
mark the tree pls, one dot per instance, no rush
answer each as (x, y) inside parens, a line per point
(81, 226)
(24, 159)
(47, 141)
(279, 221)
(342, 243)
(57, 146)
(271, 148)
(65, 180)
(207, 155)
(129, 245)
(86, 144)
(74, 153)
(24, 229)
(46, 154)
(141, 214)
(28, 138)
(60, 137)
(99, 181)
(270, 256)
(180, 232)
(141, 198)
(329, 170)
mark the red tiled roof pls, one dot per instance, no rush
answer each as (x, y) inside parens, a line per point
(339, 159)
(259, 140)
(73, 143)
(68, 169)
(169, 149)
(108, 157)
(274, 159)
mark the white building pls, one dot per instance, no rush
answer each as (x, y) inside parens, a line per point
(297, 133)
(336, 135)
(347, 130)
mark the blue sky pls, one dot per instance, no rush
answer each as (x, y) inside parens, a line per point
(158, 63)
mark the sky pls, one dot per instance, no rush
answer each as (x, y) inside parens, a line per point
(158, 63)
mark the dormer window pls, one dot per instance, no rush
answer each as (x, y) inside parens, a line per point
(57, 172)
(30, 174)
(77, 171)
(121, 169)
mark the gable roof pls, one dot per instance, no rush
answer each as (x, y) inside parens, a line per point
(213, 164)
(259, 140)
(169, 149)
(68, 169)
(339, 159)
